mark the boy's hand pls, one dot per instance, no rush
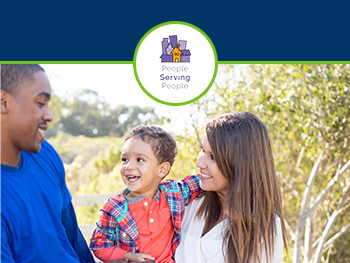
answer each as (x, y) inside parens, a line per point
(138, 257)
(126, 261)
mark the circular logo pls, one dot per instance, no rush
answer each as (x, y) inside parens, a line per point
(175, 63)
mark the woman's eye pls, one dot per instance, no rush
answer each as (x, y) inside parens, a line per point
(212, 157)
(41, 104)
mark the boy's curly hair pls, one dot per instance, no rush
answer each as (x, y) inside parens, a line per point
(162, 144)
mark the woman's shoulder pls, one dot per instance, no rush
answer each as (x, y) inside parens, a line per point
(195, 204)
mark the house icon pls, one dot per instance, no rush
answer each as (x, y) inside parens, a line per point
(174, 50)
(176, 54)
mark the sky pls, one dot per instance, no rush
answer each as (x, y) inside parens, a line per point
(116, 84)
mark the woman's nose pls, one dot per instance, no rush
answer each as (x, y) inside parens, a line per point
(200, 161)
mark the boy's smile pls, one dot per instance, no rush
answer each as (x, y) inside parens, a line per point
(140, 169)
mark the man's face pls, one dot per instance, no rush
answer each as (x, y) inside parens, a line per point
(29, 113)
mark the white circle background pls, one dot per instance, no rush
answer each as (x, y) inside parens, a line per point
(201, 65)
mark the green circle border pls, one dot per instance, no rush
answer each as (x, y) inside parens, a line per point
(177, 103)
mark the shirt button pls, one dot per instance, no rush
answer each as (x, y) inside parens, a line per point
(151, 220)
(146, 204)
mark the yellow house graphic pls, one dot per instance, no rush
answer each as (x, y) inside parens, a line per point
(176, 54)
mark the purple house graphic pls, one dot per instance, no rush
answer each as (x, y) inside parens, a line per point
(174, 51)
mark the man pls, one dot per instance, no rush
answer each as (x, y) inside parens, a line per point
(38, 222)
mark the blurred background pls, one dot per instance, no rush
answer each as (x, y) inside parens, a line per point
(305, 107)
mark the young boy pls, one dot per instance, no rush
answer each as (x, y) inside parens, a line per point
(143, 222)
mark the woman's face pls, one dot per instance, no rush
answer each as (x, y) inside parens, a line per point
(211, 177)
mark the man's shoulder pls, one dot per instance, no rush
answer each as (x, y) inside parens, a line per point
(46, 147)
(48, 159)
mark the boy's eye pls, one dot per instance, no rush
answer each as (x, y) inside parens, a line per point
(124, 159)
(140, 160)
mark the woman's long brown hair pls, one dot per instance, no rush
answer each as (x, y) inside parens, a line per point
(242, 150)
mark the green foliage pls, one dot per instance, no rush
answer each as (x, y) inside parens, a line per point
(85, 158)
(106, 161)
(85, 113)
(185, 162)
(103, 183)
(87, 214)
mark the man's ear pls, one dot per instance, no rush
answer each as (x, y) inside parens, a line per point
(164, 169)
(4, 100)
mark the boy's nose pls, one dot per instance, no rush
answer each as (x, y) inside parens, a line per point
(130, 166)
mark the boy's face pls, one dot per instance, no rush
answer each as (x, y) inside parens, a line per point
(28, 114)
(139, 168)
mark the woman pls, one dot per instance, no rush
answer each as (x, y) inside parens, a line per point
(239, 218)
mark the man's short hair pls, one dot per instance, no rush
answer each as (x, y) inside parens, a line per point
(13, 77)
(161, 142)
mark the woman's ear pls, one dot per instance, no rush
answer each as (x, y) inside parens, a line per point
(164, 169)
(4, 105)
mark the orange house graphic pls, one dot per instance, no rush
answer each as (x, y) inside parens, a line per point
(176, 54)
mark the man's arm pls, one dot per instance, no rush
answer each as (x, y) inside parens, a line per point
(6, 253)
(74, 235)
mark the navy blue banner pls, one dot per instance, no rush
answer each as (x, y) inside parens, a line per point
(111, 30)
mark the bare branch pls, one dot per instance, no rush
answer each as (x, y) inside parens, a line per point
(307, 239)
(329, 187)
(300, 227)
(324, 192)
(346, 166)
(300, 157)
(330, 241)
(328, 256)
(345, 193)
(316, 242)
(326, 231)
(310, 182)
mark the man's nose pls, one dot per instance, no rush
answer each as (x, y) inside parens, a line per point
(48, 117)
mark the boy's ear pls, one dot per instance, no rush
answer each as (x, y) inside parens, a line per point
(164, 169)
(4, 99)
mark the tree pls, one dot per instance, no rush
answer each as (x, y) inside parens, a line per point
(85, 113)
